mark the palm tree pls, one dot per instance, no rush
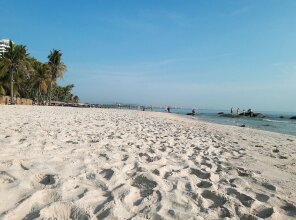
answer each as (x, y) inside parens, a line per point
(4, 81)
(2, 87)
(57, 68)
(40, 79)
(14, 61)
(76, 99)
(24, 76)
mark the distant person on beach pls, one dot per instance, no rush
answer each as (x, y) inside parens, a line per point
(231, 110)
(193, 111)
(169, 109)
(250, 113)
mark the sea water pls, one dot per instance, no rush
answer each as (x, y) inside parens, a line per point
(272, 122)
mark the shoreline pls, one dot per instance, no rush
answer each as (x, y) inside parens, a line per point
(227, 125)
(58, 162)
(247, 123)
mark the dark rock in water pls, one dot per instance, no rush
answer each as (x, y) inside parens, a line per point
(190, 114)
(242, 126)
(220, 113)
(259, 115)
(266, 125)
(293, 117)
(247, 114)
(229, 115)
(282, 116)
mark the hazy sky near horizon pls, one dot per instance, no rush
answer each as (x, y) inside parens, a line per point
(194, 53)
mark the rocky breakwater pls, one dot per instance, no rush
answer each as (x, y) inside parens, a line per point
(246, 114)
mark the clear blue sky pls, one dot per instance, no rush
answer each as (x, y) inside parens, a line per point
(206, 54)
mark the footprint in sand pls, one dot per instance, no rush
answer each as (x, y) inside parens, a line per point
(125, 157)
(269, 186)
(238, 182)
(290, 209)
(156, 172)
(242, 172)
(108, 173)
(168, 174)
(283, 157)
(262, 197)
(243, 198)
(223, 212)
(188, 187)
(205, 163)
(5, 178)
(104, 156)
(145, 185)
(263, 211)
(29, 206)
(200, 174)
(61, 210)
(248, 217)
(22, 140)
(47, 180)
(204, 184)
(217, 200)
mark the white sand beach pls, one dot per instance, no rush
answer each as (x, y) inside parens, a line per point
(75, 163)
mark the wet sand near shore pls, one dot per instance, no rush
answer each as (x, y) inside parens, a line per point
(84, 163)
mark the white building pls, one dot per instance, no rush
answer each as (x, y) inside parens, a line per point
(4, 45)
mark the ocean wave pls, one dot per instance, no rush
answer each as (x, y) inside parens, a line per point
(271, 120)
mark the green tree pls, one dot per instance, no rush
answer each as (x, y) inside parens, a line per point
(57, 69)
(26, 77)
(64, 94)
(14, 62)
(2, 87)
(76, 99)
(40, 79)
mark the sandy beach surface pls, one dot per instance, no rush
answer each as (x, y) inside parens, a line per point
(74, 163)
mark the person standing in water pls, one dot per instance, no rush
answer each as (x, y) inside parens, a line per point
(193, 111)
(237, 111)
(231, 110)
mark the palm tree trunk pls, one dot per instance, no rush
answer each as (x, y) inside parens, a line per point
(49, 93)
(38, 96)
(11, 86)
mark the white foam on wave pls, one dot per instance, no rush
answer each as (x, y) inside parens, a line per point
(271, 120)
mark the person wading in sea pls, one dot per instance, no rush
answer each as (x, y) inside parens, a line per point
(193, 111)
